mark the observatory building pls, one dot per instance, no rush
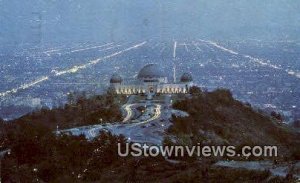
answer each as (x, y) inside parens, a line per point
(151, 79)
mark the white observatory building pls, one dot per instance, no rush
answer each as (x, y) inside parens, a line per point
(151, 79)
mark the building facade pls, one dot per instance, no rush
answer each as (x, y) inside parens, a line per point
(151, 79)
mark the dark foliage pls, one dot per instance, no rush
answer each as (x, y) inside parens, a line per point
(216, 117)
(36, 152)
(39, 155)
(79, 111)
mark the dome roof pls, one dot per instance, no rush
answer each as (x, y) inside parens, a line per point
(116, 78)
(151, 71)
(186, 77)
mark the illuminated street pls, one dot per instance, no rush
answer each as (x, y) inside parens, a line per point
(147, 127)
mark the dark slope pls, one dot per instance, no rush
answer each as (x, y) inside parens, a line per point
(217, 118)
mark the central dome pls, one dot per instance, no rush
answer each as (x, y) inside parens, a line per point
(151, 71)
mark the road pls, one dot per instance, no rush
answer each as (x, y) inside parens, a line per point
(157, 113)
(149, 127)
(127, 108)
(276, 170)
(152, 113)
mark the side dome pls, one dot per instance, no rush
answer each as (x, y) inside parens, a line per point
(186, 77)
(151, 71)
(116, 78)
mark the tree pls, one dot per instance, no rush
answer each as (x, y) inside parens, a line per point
(194, 90)
(71, 98)
(276, 116)
(296, 123)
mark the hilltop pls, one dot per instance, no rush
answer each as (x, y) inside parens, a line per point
(217, 118)
(214, 118)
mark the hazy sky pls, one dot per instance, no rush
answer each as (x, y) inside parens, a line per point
(131, 20)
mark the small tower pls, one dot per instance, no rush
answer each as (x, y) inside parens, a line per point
(116, 79)
(174, 61)
(174, 73)
(187, 79)
(115, 82)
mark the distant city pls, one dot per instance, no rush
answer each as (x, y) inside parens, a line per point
(264, 74)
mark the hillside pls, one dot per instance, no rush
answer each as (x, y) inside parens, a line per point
(217, 118)
(79, 111)
(214, 118)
